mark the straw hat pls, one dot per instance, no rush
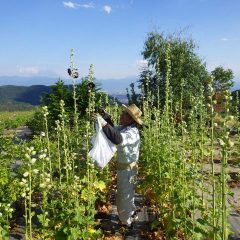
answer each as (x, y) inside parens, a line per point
(134, 112)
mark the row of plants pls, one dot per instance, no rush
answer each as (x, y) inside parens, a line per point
(56, 187)
(190, 201)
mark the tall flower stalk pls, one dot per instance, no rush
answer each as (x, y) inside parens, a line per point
(75, 116)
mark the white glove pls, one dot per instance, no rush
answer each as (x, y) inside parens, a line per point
(101, 120)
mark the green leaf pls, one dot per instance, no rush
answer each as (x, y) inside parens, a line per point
(100, 185)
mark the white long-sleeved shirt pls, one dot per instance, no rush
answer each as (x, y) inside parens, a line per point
(128, 150)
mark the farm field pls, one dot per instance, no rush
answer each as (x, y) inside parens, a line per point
(14, 119)
(120, 120)
(188, 185)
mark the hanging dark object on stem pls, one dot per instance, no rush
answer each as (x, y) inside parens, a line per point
(91, 85)
(73, 73)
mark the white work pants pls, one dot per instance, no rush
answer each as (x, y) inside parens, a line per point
(125, 194)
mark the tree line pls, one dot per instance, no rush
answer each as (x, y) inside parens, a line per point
(188, 70)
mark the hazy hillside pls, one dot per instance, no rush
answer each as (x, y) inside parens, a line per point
(108, 85)
(23, 98)
(30, 95)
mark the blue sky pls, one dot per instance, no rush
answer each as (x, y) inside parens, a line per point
(37, 35)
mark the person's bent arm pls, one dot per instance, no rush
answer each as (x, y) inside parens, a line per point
(107, 117)
(111, 133)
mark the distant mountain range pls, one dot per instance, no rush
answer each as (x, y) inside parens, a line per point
(21, 93)
(26, 97)
(25, 92)
(108, 85)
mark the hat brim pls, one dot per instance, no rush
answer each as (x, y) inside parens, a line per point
(137, 120)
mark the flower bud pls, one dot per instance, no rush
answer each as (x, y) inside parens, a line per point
(25, 174)
(230, 143)
(36, 171)
(33, 160)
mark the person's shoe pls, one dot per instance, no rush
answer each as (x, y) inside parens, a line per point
(134, 216)
(126, 226)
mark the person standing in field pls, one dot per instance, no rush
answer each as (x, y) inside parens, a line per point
(127, 138)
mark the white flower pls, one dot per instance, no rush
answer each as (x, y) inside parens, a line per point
(24, 180)
(42, 185)
(47, 159)
(231, 144)
(23, 194)
(76, 177)
(35, 171)
(33, 160)
(42, 134)
(31, 148)
(47, 180)
(0, 214)
(25, 174)
(221, 142)
(27, 156)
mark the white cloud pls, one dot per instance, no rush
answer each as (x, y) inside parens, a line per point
(88, 5)
(69, 5)
(107, 9)
(224, 39)
(31, 70)
(141, 63)
(76, 5)
(230, 39)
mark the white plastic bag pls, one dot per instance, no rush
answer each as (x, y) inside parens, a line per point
(103, 149)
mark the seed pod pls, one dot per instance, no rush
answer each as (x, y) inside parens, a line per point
(91, 85)
(230, 143)
(75, 75)
(221, 142)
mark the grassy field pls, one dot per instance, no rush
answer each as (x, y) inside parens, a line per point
(15, 119)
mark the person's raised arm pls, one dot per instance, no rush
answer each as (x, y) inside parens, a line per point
(106, 116)
(113, 134)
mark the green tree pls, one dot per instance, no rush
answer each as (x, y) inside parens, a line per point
(59, 92)
(185, 66)
(222, 79)
(134, 97)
